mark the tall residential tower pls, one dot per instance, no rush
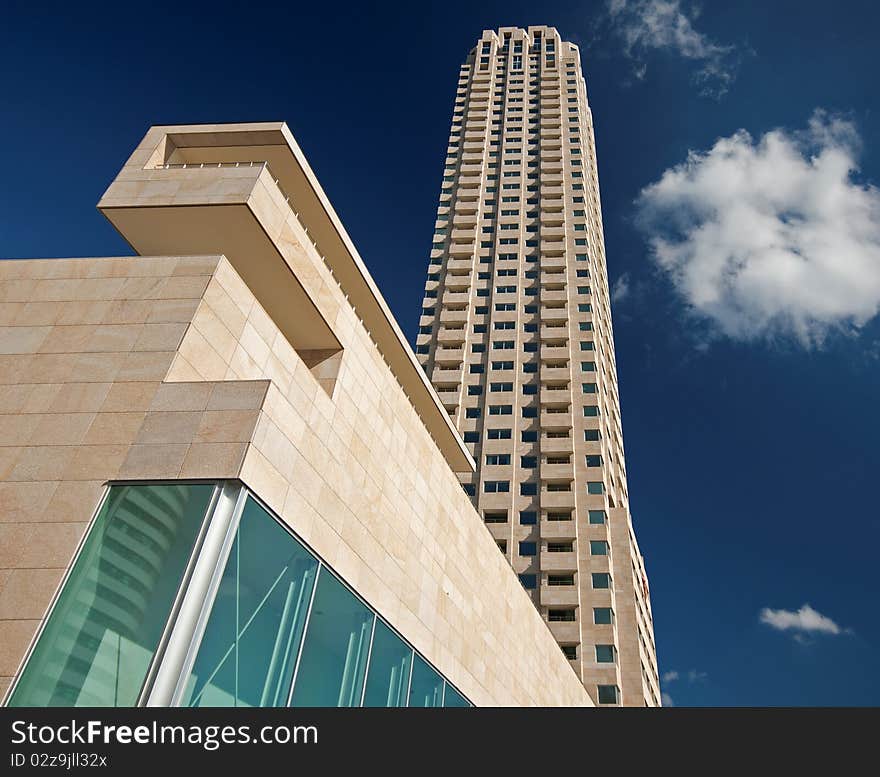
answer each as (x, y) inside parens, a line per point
(516, 336)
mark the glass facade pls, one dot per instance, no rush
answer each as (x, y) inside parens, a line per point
(99, 641)
(278, 627)
(247, 654)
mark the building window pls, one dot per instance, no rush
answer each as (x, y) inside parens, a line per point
(529, 582)
(528, 462)
(601, 580)
(595, 487)
(497, 458)
(528, 489)
(496, 486)
(605, 654)
(500, 409)
(528, 517)
(560, 616)
(598, 548)
(469, 488)
(594, 460)
(273, 606)
(528, 549)
(474, 391)
(608, 694)
(530, 436)
(498, 434)
(560, 580)
(591, 435)
(495, 517)
(603, 616)
(472, 412)
(471, 436)
(157, 526)
(569, 651)
(597, 517)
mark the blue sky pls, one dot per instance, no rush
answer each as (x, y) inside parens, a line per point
(737, 150)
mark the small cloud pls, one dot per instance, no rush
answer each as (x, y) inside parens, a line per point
(669, 676)
(666, 699)
(770, 238)
(695, 676)
(805, 621)
(621, 288)
(646, 26)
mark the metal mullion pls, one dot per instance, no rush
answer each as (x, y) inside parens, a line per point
(188, 625)
(369, 657)
(305, 633)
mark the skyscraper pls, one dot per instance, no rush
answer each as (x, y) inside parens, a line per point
(516, 337)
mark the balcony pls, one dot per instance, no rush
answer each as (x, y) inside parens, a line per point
(556, 247)
(555, 471)
(552, 192)
(553, 263)
(462, 249)
(565, 632)
(551, 233)
(467, 206)
(459, 265)
(472, 169)
(558, 530)
(556, 445)
(557, 500)
(469, 181)
(555, 420)
(446, 376)
(449, 355)
(456, 298)
(450, 336)
(449, 397)
(465, 221)
(558, 562)
(556, 396)
(554, 314)
(554, 353)
(549, 295)
(454, 316)
(552, 203)
(550, 374)
(559, 595)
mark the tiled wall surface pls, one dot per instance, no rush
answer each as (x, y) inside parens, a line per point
(135, 368)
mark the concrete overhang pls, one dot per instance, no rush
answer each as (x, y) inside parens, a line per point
(228, 189)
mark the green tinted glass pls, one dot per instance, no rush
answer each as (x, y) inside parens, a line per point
(102, 634)
(426, 688)
(334, 653)
(252, 638)
(452, 698)
(390, 664)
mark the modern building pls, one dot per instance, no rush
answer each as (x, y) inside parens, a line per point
(225, 478)
(516, 335)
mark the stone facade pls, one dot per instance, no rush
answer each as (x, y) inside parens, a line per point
(192, 365)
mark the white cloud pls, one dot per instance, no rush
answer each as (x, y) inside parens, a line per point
(666, 699)
(805, 620)
(621, 288)
(695, 676)
(664, 25)
(669, 676)
(771, 238)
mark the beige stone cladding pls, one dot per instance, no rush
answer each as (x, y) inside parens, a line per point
(173, 367)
